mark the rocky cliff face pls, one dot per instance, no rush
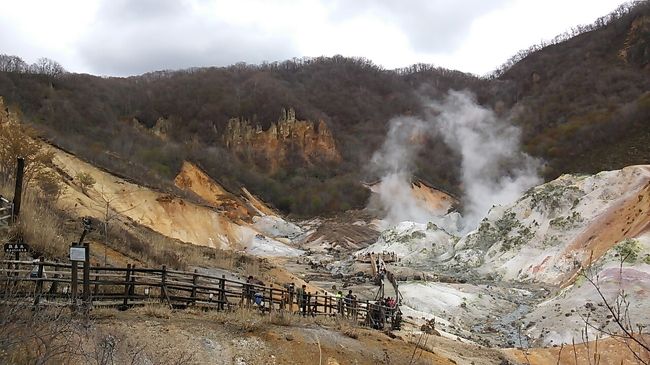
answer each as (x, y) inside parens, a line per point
(287, 141)
(636, 49)
(192, 178)
(161, 128)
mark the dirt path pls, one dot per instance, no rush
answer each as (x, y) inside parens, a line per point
(206, 339)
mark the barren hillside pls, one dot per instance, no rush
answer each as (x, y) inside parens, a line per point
(228, 223)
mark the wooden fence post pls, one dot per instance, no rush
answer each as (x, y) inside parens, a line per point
(283, 298)
(96, 287)
(195, 280)
(222, 293)
(328, 303)
(18, 191)
(86, 283)
(271, 304)
(39, 282)
(16, 268)
(163, 279)
(74, 278)
(132, 286)
(127, 279)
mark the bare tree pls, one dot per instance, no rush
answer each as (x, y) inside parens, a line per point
(12, 64)
(48, 67)
(626, 330)
(110, 213)
(34, 335)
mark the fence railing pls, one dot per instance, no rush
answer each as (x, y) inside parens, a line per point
(6, 211)
(124, 287)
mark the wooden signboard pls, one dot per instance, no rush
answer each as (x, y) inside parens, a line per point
(16, 247)
(77, 253)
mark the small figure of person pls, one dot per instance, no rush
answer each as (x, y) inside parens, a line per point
(348, 303)
(248, 291)
(291, 292)
(314, 308)
(258, 300)
(339, 302)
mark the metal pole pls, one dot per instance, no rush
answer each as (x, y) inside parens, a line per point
(18, 192)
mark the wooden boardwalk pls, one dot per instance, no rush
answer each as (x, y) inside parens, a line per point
(59, 283)
(369, 257)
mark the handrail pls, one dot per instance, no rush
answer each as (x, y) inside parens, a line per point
(176, 288)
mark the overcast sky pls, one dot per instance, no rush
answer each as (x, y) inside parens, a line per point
(122, 37)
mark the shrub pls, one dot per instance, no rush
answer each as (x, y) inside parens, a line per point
(85, 181)
(628, 250)
(156, 310)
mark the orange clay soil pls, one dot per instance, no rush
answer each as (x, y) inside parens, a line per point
(627, 219)
(608, 351)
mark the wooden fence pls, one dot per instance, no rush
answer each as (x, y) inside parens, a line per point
(124, 287)
(6, 211)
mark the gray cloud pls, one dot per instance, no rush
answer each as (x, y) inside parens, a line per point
(15, 43)
(430, 25)
(136, 37)
(126, 37)
(126, 12)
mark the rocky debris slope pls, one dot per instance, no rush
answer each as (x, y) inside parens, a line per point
(245, 209)
(540, 244)
(228, 224)
(621, 275)
(356, 230)
(329, 236)
(415, 244)
(194, 179)
(557, 228)
(423, 200)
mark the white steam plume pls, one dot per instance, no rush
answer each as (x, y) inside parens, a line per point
(394, 162)
(494, 171)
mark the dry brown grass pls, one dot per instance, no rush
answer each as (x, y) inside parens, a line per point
(29, 336)
(251, 320)
(49, 231)
(40, 225)
(155, 310)
(155, 249)
(347, 327)
(101, 313)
